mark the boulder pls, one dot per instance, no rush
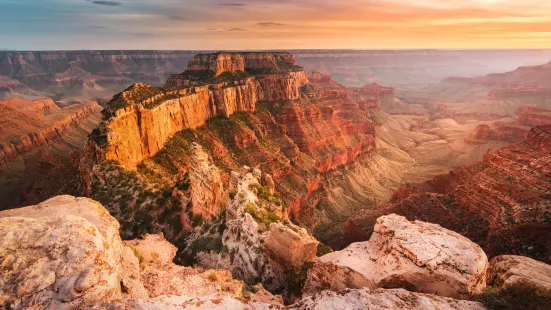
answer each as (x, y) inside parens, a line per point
(62, 253)
(153, 249)
(417, 256)
(507, 270)
(66, 253)
(382, 299)
(160, 276)
(290, 244)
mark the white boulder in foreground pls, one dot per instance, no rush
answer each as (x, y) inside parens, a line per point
(62, 253)
(417, 256)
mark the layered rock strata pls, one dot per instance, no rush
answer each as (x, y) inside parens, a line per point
(233, 62)
(139, 121)
(28, 125)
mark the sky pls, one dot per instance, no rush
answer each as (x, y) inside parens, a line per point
(273, 24)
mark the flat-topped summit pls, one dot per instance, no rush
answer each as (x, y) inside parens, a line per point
(229, 68)
(249, 61)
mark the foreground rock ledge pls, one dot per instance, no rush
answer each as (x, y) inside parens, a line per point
(417, 256)
(328, 300)
(65, 253)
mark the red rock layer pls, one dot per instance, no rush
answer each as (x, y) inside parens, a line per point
(143, 118)
(491, 201)
(534, 116)
(232, 62)
(27, 125)
(483, 134)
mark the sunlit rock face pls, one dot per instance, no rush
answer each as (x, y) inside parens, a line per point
(262, 243)
(139, 121)
(419, 256)
(510, 270)
(62, 253)
(66, 253)
(207, 189)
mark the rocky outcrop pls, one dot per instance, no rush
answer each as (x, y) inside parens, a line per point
(28, 125)
(534, 116)
(509, 270)
(290, 246)
(418, 256)
(62, 253)
(481, 135)
(161, 277)
(66, 253)
(139, 121)
(262, 243)
(207, 189)
(349, 299)
(232, 62)
(383, 299)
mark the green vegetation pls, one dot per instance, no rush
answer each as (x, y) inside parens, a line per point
(201, 244)
(213, 276)
(522, 295)
(197, 220)
(137, 206)
(307, 89)
(137, 254)
(286, 66)
(261, 216)
(233, 192)
(230, 77)
(323, 249)
(295, 279)
(209, 76)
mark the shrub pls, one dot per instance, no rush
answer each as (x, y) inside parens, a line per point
(197, 220)
(213, 276)
(323, 249)
(137, 254)
(522, 295)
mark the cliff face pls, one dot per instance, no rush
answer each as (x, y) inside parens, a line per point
(28, 125)
(501, 202)
(141, 119)
(233, 62)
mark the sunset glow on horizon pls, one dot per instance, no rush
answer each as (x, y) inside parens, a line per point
(283, 24)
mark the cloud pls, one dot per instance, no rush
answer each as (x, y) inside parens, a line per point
(106, 3)
(232, 4)
(237, 29)
(95, 27)
(270, 24)
(176, 17)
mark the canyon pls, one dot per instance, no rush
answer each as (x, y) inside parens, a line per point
(271, 183)
(66, 253)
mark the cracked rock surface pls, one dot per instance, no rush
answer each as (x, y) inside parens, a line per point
(417, 256)
(62, 253)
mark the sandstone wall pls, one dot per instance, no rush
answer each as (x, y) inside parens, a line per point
(232, 62)
(44, 130)
(142, 127)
